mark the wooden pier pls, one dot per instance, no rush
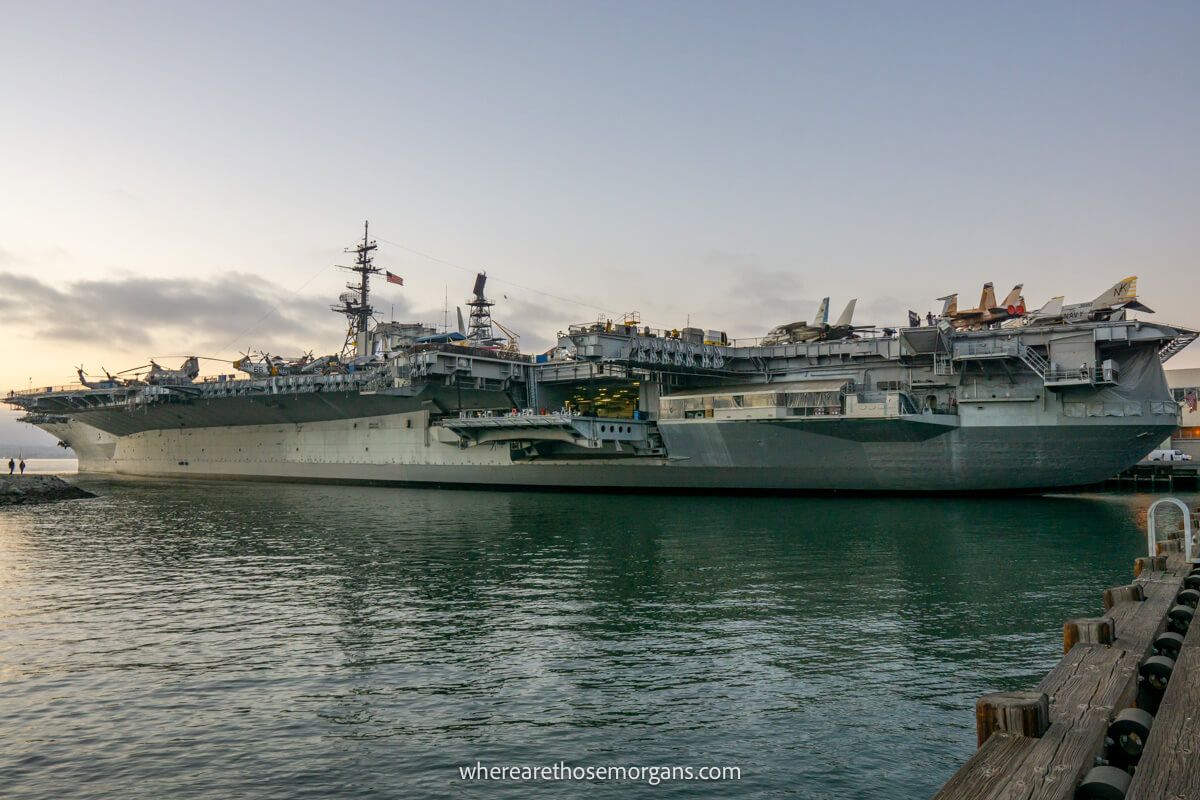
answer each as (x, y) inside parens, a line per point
(1119, 716)
(1157, 477)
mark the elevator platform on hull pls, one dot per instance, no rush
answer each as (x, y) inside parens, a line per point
(587, 432)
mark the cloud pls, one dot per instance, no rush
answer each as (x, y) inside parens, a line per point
(757, 295)
(536, 322)
(140, 313)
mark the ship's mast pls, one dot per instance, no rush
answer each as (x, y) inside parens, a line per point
(355, 304)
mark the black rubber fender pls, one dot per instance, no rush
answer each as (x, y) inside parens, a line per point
(1157, 671)
(1128, 732)
(1180, 617)
(1103, 783)
(1188, 597)
(1168, 644)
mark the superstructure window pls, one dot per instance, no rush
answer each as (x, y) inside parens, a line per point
(1099, 409)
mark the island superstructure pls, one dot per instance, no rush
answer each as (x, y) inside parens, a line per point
(1020, 401)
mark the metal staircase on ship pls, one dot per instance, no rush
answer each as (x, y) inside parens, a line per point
(1173, 347)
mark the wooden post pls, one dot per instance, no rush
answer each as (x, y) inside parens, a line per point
(1026, 713)
(1088, 630)
(1168, 546)
(1123, 594)
(1151, 564)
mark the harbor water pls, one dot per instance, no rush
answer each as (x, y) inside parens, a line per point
(216, 640)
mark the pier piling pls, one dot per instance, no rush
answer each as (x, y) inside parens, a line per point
(1025, 713)
(1122, 594)
(1088, 630)
(1149, 563)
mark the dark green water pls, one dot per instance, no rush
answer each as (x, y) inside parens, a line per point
(262, 640)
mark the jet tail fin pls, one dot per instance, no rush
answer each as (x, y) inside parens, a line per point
(1053, 308)
(1014, 297)
(822, 317)
(987, 300)
(1122, 292)
(949, 304)
(847, 314)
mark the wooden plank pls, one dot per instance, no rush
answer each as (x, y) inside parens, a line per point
(1169, 769)
(1139, 623)
(1059, 759)
(983, 774)
(1090, 677)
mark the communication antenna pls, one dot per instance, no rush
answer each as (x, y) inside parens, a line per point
(355, 304)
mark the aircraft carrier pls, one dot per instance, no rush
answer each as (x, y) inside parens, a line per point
(987, 399)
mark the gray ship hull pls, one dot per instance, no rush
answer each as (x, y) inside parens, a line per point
(720, 456)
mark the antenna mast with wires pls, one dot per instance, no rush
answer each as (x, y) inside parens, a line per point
(355, 304)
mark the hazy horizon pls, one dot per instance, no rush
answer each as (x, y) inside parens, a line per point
(174, 173)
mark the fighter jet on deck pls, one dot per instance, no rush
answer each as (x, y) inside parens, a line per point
(988, 313)
(820, 330)
(1118, 299)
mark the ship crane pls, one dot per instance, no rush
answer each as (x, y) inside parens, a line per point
(514, 339)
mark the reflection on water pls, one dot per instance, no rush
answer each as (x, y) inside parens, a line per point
(241, 639)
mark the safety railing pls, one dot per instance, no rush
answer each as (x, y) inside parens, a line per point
(1151, 528)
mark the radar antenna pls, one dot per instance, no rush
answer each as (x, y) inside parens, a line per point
(355, 304)
(480, 327)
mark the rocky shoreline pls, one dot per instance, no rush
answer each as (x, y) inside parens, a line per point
(25, 490)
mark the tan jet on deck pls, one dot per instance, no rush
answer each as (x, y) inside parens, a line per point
(988, 313)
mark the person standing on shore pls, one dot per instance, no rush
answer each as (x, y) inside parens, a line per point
(11, 465)
(22, 465)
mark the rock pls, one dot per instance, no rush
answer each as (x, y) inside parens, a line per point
(30, 489)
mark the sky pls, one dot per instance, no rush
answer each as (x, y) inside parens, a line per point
(180, 179)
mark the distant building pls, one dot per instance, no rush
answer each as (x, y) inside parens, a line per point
(1187, 438)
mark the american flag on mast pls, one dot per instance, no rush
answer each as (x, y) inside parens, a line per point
(396, 279)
